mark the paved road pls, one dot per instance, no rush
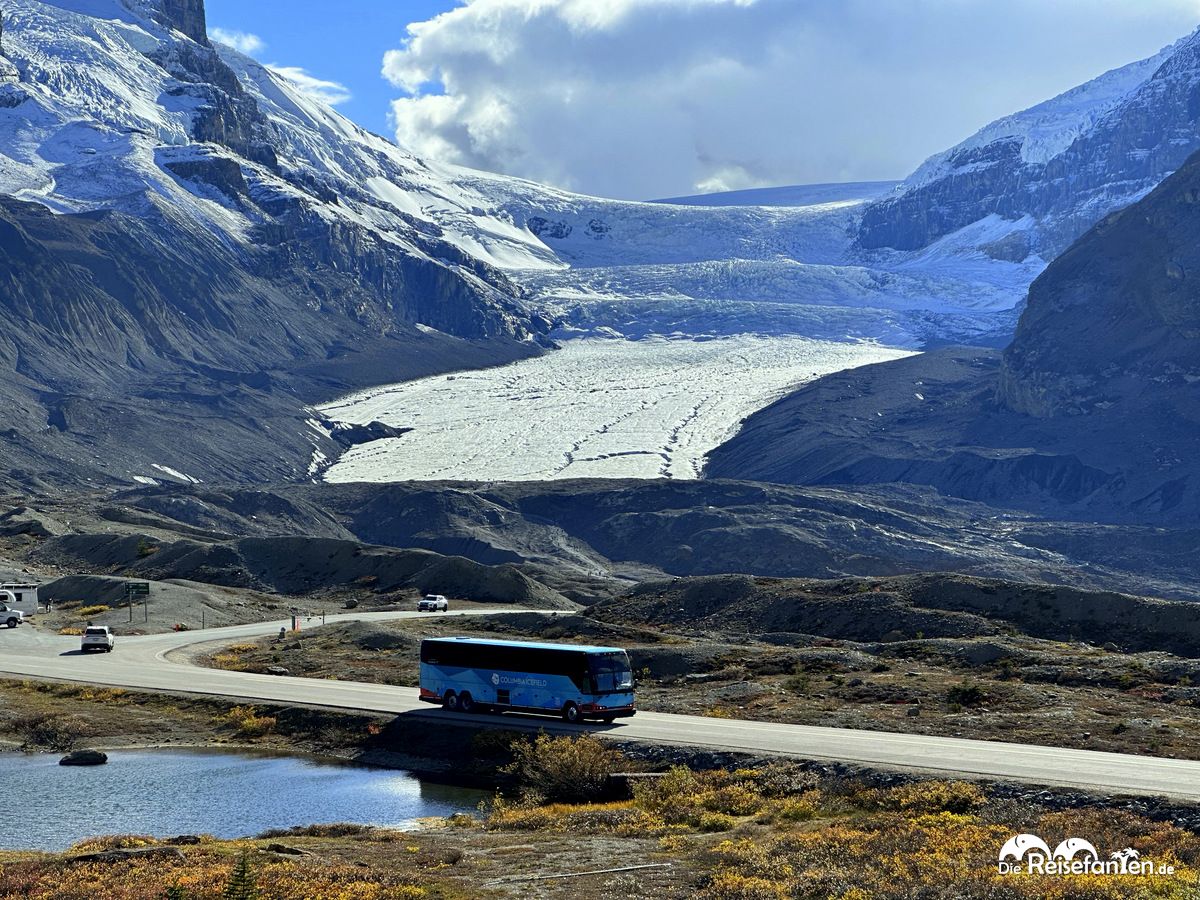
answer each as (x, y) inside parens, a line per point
(142, 662)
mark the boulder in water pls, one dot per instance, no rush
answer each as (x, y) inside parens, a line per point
(84, 758)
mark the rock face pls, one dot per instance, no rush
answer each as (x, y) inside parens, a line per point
(1064, 164)
(112, 326)
(186, 16)
(1115, 322)
(182, 273)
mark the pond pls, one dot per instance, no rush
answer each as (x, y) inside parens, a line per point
(45, 806)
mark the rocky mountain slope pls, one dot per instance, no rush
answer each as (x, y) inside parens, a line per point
(1045, 175)
(190, 246)
(1092, 412)
(195, 251)
(589, 539)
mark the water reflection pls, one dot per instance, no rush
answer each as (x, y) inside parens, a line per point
(45, 806)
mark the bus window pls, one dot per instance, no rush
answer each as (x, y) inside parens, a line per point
(611, 674)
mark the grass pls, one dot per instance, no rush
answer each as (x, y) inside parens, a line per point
(780, 832)
(248, 722)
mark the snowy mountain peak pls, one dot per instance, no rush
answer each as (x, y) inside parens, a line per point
(1111, 139)
(1047, 129)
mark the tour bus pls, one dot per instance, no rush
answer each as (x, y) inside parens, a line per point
(575, 682)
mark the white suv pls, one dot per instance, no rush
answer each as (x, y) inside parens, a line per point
(10, 617)
(96, 637)
(433, 603)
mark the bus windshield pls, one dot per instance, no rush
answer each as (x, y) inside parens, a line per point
(611, 673)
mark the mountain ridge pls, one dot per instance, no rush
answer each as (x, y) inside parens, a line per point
(1064, 163)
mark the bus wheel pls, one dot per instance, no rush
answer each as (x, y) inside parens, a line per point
(466, 703)
(450, 701)
(570, 713)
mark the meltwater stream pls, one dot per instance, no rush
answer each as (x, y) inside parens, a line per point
(44, 806)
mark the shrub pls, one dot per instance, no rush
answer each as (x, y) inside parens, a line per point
(726, 885)
(248, 723)
(330, 830)
(799, 683)
(229, 661)
(925, 797)
(715, 821)
(85, 612)
(49, 731)
(563, 769)
(793, 809)
(670, 796)
(522, 817)
(784, 779)
(733, 799)
(966, 694)
(113, 842)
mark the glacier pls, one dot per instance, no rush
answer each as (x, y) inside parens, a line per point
(661, 297)
(595, 409)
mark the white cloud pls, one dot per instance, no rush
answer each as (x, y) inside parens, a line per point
(644, 98)
(241, 41)
(330, 92)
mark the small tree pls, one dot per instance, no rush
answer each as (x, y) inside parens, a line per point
(563, 769)
(176, 892)
(242, 884)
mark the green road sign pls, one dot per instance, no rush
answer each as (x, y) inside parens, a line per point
(137, 589)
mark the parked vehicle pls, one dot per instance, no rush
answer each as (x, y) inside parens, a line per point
(575, 682)
(97, 637)
(9, 616)
(433, 603)
(23, 597)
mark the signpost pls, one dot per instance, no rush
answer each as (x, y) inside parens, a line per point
(138, 589)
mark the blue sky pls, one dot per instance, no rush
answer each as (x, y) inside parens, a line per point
(346, 47)
(655, 98)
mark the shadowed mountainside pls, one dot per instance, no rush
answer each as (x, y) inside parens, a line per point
(591, 539)
(1092, 412)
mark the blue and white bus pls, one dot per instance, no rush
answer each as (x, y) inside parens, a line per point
(575, 682)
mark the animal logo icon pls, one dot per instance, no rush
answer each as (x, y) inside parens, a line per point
(1016, 847)
(1071, 847)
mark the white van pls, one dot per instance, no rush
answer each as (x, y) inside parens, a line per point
(23, 597)
(9, 617)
